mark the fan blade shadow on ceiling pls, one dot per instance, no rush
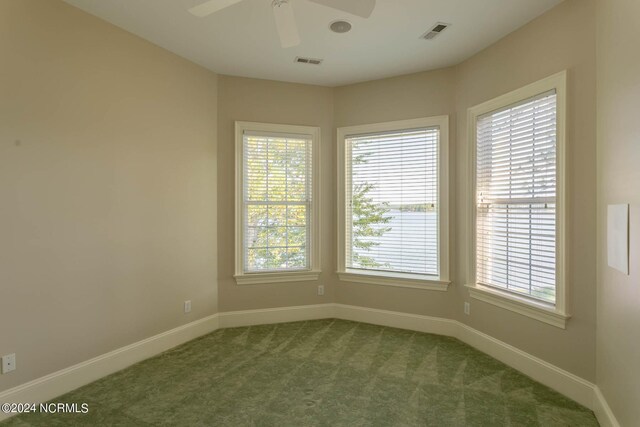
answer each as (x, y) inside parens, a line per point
(362, 8)
(211, 6)
(286, 24)
(284, 17)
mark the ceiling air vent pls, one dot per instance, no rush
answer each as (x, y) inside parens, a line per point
(312, 61)
(434, 31)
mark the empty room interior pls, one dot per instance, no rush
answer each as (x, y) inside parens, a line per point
(320, 212)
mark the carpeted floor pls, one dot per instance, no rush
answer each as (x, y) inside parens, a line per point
(318, 373)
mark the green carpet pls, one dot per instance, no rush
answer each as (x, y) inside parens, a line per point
(318, 373)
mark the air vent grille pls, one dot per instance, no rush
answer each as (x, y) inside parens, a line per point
(435, 31)
(311, 61)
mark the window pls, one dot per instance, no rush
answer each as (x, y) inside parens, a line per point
(518, 147)
(276, 203)
(393, 203)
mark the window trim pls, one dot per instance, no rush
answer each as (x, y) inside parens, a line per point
(553, 314)
(311, 274)
(437, 283)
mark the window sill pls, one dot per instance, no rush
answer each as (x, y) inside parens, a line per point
(399, 280)
(536, 310)
(278, 277)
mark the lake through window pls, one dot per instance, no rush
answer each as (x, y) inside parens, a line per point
(392, 201)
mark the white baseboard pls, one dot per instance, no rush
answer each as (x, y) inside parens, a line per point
(603, 412)
(550, 375)
(394, 319)
(564, 382)
(434, 325)
(570, 385)
(58, 383)
(232, 319)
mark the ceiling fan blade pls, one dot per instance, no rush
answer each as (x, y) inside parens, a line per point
(362, 8)
(286, 24)
(211, 6)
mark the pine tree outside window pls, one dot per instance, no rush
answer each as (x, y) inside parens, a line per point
(393, 207)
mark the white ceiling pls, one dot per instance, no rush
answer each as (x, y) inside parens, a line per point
(242, 39)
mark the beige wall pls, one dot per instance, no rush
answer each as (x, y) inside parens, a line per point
(618, 357)
(423, 94)
(405, 97)
(285, 103)
(108, 204)
(563, 38)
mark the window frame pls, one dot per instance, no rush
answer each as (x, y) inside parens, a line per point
(553, 314)
(408, 280)
(313, 272)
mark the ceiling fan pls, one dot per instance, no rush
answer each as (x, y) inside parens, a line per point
(283, 13)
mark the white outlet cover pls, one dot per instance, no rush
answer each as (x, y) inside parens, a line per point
(187, 306)
(8, 363)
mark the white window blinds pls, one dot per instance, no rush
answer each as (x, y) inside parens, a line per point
(391, 201)
(277, 201)
(516, 198)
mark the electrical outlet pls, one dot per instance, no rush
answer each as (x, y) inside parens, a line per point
(467, 308)
(320, 290)
(8, 363)
(187, 306)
